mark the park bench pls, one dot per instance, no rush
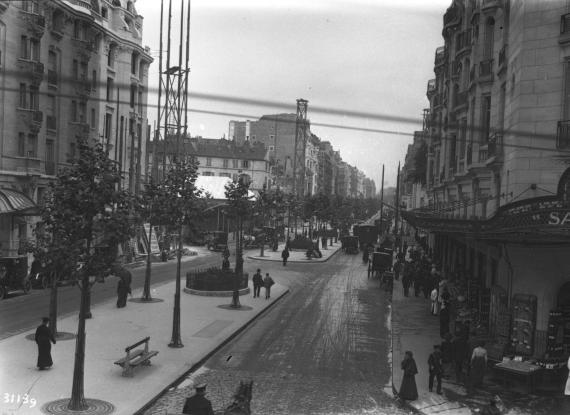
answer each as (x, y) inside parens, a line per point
(136, 357)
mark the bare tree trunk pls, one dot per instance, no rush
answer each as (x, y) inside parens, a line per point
(146, 290)
(77, 401)
(53, 305)
(176, 341)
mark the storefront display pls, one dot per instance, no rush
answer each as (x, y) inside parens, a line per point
(523, 324)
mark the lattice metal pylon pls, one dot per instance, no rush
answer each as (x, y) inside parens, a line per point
(301, 127)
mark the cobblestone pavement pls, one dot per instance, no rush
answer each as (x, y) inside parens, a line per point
(323, 349)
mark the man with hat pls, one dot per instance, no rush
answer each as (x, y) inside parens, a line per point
(198, 404)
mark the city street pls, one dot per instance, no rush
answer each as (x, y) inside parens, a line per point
(20, 312)
(324, 348)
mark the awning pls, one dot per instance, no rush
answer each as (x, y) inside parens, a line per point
(14, 202)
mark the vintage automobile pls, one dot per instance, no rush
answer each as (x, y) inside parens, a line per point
(14, 275)
(217, 240)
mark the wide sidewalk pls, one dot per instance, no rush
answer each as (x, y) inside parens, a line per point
(415, 329)
(206, 324)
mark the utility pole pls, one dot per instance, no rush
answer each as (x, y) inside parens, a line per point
(397, 203)
(382, 201)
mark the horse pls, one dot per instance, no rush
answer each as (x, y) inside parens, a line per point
(242, 399)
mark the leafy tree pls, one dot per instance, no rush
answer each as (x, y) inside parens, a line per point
(239, 207)
(181, 204)
(87, 217)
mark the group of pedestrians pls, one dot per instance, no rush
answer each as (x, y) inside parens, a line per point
(260, 281)
(452, 355)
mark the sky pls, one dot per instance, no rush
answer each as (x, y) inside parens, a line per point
(362, 65)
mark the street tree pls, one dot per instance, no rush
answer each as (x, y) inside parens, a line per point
(87, 216)
(239, 207)
(181, 204)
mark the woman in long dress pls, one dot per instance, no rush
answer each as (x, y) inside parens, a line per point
(44, 339)
(408, 388)
(478, 365)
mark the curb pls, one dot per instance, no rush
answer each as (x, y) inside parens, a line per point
(199, 363)
(303, 261)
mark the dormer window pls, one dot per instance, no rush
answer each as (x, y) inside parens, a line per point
(104, 12)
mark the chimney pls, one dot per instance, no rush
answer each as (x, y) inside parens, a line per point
(247, 129)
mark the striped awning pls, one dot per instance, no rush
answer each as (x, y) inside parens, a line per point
(14, 202)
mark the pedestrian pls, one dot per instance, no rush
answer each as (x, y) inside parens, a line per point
(257, 283)
(434, 303)
(397, 269)
(267, 283)
(444, 318)
(285, 255)
(435, 364)
(407, 278)
(44, 339)
(478, 365)
(459, 347)
(123, 286)
(567, 389)
(408, 388)
(198, 404)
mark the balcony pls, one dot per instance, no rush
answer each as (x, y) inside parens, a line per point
(33, 69)
(490, 5)
(456, 69)
(81, 3)
(460, 101)
(486, 70)
(483, 154)
(440, 56)
(563, 135)
(463, 43)
(36, 23)
(31, 119)
(431, 87)
(502, 64)
(451, 18)
(51, 122)
(495, 145)
(83, 87)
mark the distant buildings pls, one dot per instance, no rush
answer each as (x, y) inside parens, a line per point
(497, 177)
(68, 70)
(325, 172)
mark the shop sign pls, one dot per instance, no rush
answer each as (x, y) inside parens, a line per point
(559, 218)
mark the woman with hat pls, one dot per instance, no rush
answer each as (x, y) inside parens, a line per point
(408, 388)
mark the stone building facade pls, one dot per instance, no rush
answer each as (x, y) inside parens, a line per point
(68, 70)
(498, 177)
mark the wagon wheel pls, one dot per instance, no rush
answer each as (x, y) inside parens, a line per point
(2, 292)
(26, 286)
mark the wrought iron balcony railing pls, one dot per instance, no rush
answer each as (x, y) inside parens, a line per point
(495, 145)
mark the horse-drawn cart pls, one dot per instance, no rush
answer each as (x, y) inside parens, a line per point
(349, 244)
(380, 266)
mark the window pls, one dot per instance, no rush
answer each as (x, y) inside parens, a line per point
(94, 80)
(24, 47)
(111, 55)
(82, 112)
(78, 30)
(21, 144)
(75, 69)
(109, 89)
(225, 175)
(73, 111)
(133, 95)
(108, 125)
(271, 148)
(34, 98)
(489, 38)
(245, 164)
(208, 161)
(50, 153)
(83, 71)
(34, 49)
(93, 124)
(31, 6)
(104, 12)
(32, 150)
(235, 164)
(208, 173)
(140, 101)
(134, 63)
(485, 118)
(225, 164)
(23, 96)
(271, 137)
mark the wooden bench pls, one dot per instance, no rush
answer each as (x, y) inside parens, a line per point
(136, 357)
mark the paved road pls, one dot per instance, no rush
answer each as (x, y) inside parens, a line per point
(22, 312)
(323, 349)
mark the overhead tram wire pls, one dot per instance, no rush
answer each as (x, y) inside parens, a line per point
(275, 104)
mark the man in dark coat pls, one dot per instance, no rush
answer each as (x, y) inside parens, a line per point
(198, 404)
(257, 283)
(44, 339)
(435, 368)
(123, 286)
(285, 256)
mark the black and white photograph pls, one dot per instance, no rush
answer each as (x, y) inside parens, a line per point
(284, 207)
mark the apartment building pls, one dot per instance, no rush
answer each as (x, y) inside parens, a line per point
(68, 70)
(498, 179)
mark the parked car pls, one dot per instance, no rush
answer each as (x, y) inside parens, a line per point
(14, 275)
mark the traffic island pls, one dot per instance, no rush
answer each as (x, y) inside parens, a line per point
(216, 282)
